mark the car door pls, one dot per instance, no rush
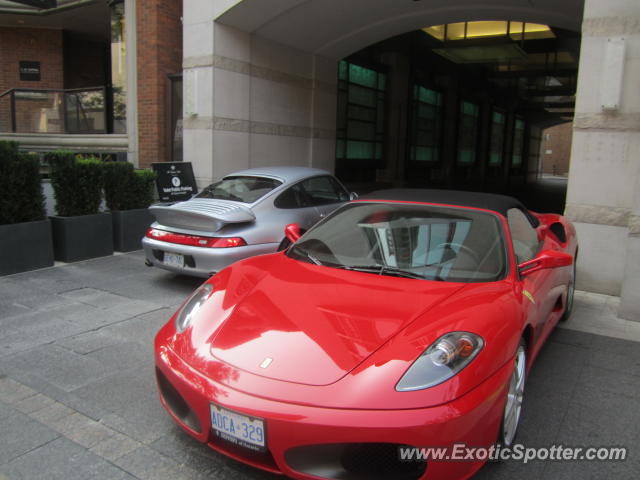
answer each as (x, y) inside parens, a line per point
(325, 193)
(536, 293)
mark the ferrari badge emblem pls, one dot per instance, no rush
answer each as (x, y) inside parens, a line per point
(266, 362)
(529, 296)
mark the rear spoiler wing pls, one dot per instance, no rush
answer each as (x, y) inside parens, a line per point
(204, 215)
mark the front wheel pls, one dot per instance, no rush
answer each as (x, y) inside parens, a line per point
(571, 290)
(515, 395)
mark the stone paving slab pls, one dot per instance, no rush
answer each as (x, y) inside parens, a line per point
(78, 397)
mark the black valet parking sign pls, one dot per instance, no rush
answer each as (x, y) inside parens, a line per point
(175, 181)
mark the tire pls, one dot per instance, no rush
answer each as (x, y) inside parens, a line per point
(515, 394)
(571, 290)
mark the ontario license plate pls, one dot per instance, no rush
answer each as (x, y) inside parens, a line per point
(174, 259)
(240, 429)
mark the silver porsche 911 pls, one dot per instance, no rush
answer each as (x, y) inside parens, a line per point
(242, 215)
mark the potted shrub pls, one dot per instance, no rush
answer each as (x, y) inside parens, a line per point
(25, 232)
(79, 230)
(128, 194)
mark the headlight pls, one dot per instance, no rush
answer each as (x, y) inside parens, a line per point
(441, 361)
(191, 306)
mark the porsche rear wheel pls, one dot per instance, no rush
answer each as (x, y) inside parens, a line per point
(515, 395)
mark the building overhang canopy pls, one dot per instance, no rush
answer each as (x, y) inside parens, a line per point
(335, 28)
(37, 3)
(88, 18)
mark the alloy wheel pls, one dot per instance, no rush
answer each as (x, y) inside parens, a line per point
(515, 395)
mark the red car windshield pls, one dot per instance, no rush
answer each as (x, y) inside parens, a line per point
(240, 189)
(414, 241)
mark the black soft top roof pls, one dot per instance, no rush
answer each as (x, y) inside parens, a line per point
(488, 201)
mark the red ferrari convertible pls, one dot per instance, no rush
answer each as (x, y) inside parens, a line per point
(405, 318)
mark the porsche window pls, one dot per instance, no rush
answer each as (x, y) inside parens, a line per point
(324, 190)
(314, 191)
(414, 241)
(293, 197)
(240, 189)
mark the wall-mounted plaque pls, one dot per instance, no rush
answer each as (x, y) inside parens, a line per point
(29, 71)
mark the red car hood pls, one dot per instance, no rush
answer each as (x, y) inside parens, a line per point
(311, 324)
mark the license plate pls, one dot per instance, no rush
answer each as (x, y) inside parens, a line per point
(174, 259)
(239, 429)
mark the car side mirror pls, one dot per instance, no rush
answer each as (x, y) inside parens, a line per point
(292, 232)
(545, 259)
(353, 196)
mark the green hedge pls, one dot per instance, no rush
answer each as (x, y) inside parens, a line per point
(8, 150)
(21, 198)
(126, 188)
(77, 183)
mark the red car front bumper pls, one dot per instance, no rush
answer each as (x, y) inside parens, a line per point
(473, 419)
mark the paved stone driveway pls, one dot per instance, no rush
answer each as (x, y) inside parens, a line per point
(78, 398)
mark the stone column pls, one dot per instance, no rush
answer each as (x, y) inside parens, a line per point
(132, 81)
(603, 193)
(251, 102)
(630, 301)
(197, 81)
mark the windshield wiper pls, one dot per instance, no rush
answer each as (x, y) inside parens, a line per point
(381, 270)
(306, 253)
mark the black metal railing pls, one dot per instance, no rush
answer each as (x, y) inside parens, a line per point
(77, 110)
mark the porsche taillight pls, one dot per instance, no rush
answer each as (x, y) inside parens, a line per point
(195, 240)
(226, 242)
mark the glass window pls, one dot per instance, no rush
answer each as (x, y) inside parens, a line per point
(415, 241)
(360, 115)
(485, 29)
(496, 147)
(119, 67)
(529, 31)
(523, 236)
(468, 133)
(240, 189)
(426, 125)
(293, 197)
(488, 29)
(456, 31)
(363, 76)
(436, 31)
(518, 143)
(324, 190)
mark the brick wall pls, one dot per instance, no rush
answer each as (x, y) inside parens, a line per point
(556, 149)
(32, 44)
(159, 43)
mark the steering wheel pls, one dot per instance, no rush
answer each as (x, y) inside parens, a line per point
(459, 248)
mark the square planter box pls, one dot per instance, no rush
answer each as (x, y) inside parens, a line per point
(82, 237)
(25, 246)
(129, 226)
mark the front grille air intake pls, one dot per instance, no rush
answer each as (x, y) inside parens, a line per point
(354, 461)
